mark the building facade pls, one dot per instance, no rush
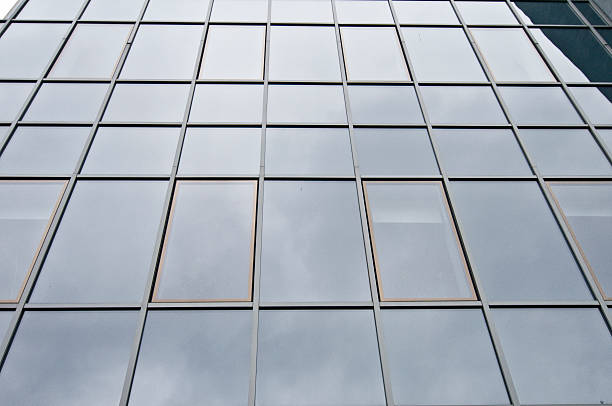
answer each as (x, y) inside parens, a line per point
(305, 202)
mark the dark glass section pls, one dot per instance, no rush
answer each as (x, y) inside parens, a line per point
(547, 12)
(587, 11)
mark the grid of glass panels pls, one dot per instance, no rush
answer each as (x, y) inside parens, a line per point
(305, 202)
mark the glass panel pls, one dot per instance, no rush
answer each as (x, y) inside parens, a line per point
(234, 52)
(546, 12)
(177, 10)
(515, 242)
(132, 150)
(557, 355)
(462, 105)
(68, 358)
(465, 372)
(43, 150)
(425, 12)
(3, 133)
(373, 54)
(27, 48)
(587, 11)
(606, 135)
(5, 321)
(50, 10)
(208, 251)
(92, 51)
(26, 208)
(363, 12)
(306, 104)
(384, 105)
(334, 351)
(510, 55)
(485, 12)
(163, 52)
(194, 357)
(308, 151)
(587, 208)
(302, 11)
(67, 102)
(302, 221)
(303, 53)
(240, 10)
(595, 102)
(12, 97)
(606, 34)
(480, 152)
(107, 10)
(415, 244)
(147, 102)
(103, 247)
(442, 54)
(220, 151)
(565, 152)
(394, 152)
(227, 104)
(539, 105)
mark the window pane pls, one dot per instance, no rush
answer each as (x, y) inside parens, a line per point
(103, 247)
(510, 55)
(479, 152)
(595, 102)
(132, 150)
(208, 251)
(234, 52)
(302, 11)
(425, 12)
(220, 151)
(43, 150)
(565, 152)
(106, 10)
(163, 52)
(27, 48)
(5, 321)
(465, 372)
(308, 151)
(515, 243)
(240, 10)
(416, 249)
(67, 102)
(147, 102)
(92, 51)
(12, 97)
(50, 10)
(462, 105)
(306, 104)
(384, 105)
(394, 152)
(302, 221)
(606, 135)
(26, 209)
(557, 355)
(304, 53)
(587, 208)
(363, 12)
(227, 104)
(194, 357)
(587, 11)
(485, 12)
(68, 358)
(546, 12)
(539, 105)
(177, 10)
(442, 54)
(334, 351)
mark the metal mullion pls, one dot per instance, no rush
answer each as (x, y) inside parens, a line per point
(12, 15)
(590, 26)
(478, 286)
(384, 365)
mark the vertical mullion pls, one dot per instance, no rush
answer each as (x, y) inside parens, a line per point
(386, 375)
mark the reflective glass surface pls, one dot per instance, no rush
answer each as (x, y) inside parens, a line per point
(485, 12)
(606, 135)
(114, 9)
(5, 321)
(68, 358)
(425, 12)
(147, 102)
(194, 357)
(46, 10)
(384, 105)
(214, 103)
(302, 11)
(515, 243)
(67, 102)
(332, 351)
(240, 10)
(539, 105)
(208, 251)
(442, 357)
(462, 105)
(177, 10)
(546, 12)
(306, 104)
(595, 102)
(308, 151)
(302, 221)
(12, 98)
(363, 12)
(102, 250)
(587, 11)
